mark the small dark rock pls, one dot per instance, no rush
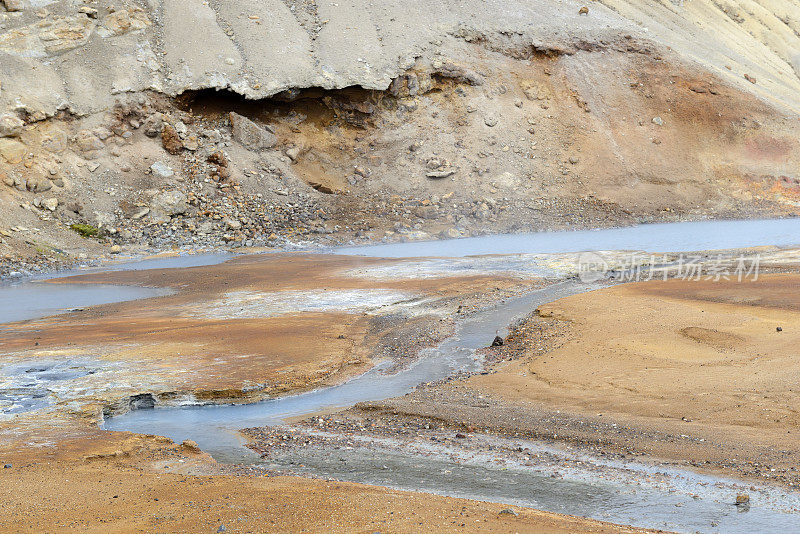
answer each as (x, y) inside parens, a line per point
(144, 401)
(459, 435)
(779, 329)
(498, 341)
(7, 466)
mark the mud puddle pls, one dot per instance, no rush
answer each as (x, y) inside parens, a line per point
(32, 300)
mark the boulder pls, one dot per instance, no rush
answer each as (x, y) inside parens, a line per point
(233, 224)
(190, 446)
(140, 212)
(103, 219)
(55, 141)
(143, 401)
(10, 125)
(161, 170)
(13, 5)
(50, 204)
(170, 202)
(250, 134)
(170, 140)
(293, 153)
(153, 125)
(442, 173)
(38, 184)
(88, 141)
(450, 233)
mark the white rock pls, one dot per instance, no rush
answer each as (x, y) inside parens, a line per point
(233, 224)
(170, 202)
(162, 170)
(250, 134)
(50, 203)
(293, 153)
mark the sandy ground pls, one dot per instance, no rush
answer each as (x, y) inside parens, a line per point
(680, 371)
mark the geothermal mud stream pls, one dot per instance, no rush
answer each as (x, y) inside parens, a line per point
(215, 427)
(526, 473)
(560, 480)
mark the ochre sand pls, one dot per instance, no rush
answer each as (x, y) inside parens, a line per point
(691, 370)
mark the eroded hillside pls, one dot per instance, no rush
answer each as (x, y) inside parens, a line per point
(134, 127)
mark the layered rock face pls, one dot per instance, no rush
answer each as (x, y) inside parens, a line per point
(71, 55)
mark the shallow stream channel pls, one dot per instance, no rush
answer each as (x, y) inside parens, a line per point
(528, 473)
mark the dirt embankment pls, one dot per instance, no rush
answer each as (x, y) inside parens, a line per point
(495, 132)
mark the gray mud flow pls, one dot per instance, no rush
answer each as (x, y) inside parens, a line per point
(215, 427)
(33, 298)
(526, 473)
